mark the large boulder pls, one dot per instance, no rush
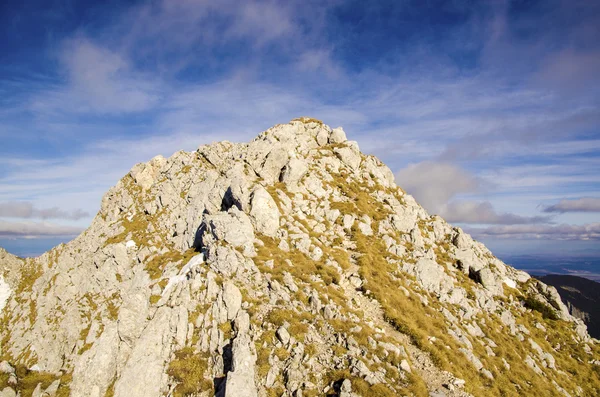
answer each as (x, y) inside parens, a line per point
(233, 227)
(264, 212)
(293, 172)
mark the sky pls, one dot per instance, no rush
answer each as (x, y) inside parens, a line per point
(486, 111)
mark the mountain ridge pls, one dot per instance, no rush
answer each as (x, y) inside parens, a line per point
(290, 265)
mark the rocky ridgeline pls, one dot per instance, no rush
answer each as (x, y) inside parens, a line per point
(291, 265)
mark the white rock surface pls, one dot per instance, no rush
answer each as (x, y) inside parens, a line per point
(264, 212)
(183, 247)
(5, 292)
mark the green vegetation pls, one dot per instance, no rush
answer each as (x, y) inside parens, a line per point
(411, 317)
(143, 228)
(156, 265)
(110, 392)
(307, 120)
(545, 310)
(154, 299)
(363, 388)
(30, 272)
(28, 380)
(227, 330)
(188, 369)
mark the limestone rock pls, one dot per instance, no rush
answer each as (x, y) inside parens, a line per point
(293, 172)
(8, 392)
(239, 269)
(240, 381)
(349, 156)
(337, 135)
(233, 227)
(232, 297)
(264, 212)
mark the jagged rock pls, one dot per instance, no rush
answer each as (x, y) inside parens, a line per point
(346, 388)
(531, 364)
(240, 381)
(283, 335)
(348, 156)
(143, 373)
(432, 276)
(264, 212)
(52, 389)
(203, 272)
(488, 279)
(146, 174)
(5, 292)
(6, 368)
(337, 135)
(96, 368)
(8, 392)
(293, 172)
(233, 227)
(405, 366)
(232, 297)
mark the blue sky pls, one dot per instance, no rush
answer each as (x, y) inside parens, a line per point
(488, 112)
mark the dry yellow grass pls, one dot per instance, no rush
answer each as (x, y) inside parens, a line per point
(411, 317)
(188, 369)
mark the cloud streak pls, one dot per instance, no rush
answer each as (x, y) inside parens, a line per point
(22, 209)
(485, 118)
(36, 230)
(434, 184)
(484, 213)
(585, 204)
(590, 231)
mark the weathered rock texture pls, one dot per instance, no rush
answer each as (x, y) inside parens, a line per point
(291, 265)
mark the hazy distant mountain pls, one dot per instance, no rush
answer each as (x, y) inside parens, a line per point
(582, 297)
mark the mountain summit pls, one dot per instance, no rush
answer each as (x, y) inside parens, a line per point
(291, 265)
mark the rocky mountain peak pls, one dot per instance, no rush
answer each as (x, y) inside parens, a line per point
(290, 265)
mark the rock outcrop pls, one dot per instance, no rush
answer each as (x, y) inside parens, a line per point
(291, 265)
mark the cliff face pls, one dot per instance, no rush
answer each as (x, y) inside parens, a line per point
(291, 265)
(582, 297)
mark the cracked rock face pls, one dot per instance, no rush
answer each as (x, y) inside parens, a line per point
(290, 265)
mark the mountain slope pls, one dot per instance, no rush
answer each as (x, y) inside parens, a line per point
(291, 265)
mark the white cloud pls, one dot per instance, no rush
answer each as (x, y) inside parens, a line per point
(585, 204)
(434, 184)
(482, 212)
(105, 80)
(405, 110)
(21, 209)
(590, 231)
(36, 230)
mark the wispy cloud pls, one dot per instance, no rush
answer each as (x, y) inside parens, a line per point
(483, 212)
(585, 204)
(98, 80)
(434, 184)
(36, 230)
(589, 231)
(20, 209)
(490, 117)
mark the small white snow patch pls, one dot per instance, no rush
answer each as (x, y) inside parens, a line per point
(5, 292)
(510, 282)
(195, 261)
(131, 244)
(35, 367)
